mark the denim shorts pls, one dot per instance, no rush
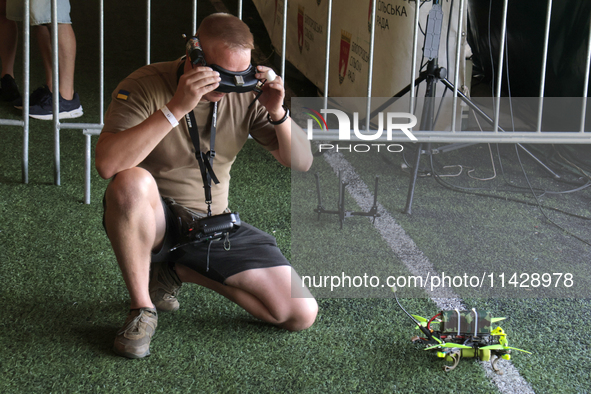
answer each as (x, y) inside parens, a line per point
(40, 11)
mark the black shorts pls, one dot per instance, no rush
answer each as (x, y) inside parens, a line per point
(249, 248)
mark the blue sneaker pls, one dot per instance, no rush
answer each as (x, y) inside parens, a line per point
(35, 97)
(41, 106)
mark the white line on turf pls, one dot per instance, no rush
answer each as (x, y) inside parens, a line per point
(511, 382)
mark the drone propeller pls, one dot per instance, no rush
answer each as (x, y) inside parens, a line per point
(421, 320)
(449, 344)
(502, 347)
(497, 319)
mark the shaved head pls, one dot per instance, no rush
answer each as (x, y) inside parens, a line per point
(226, 29)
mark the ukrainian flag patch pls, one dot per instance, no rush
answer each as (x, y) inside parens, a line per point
(123, 94)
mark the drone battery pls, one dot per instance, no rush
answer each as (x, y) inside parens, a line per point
(472, 322)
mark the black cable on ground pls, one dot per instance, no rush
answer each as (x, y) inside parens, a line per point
(540, 205)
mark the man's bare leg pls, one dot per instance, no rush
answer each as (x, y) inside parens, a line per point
(135, 223)
(266, 293)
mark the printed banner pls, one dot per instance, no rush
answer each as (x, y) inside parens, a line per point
(350, 42)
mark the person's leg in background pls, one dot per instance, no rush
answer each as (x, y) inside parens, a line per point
(8, 44)
(67, 56)
(41, 100)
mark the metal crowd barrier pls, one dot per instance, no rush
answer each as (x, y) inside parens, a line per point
(454, 135)
(25, 122)
(90, 129)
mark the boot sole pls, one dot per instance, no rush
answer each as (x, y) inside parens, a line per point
(131, 355)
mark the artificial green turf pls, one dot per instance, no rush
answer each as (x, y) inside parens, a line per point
(63, 300)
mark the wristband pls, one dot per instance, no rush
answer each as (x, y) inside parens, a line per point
(280, 120)
(169, 116)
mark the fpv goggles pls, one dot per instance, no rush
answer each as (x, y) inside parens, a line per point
(231, 81)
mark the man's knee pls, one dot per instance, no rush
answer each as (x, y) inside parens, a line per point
(130, 188)
(303, 314)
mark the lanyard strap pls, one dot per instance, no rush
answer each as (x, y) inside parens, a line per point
(205, 160)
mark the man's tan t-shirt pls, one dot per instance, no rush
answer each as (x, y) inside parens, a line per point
(172, 163)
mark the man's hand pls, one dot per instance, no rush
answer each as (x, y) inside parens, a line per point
(273, 94)
(120, 151)
(294, 148)
(193, 85)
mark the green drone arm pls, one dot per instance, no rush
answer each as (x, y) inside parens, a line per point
(450, 344)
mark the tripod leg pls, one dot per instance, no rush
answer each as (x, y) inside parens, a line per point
(426, 124)
(413, 181)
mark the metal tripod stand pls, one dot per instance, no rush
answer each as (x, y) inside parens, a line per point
(431, 76)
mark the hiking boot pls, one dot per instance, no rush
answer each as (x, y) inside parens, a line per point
(133, 340)
(164, 287)
(43, 109)
(9, 88)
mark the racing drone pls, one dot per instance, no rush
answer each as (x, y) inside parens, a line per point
(468, 334)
